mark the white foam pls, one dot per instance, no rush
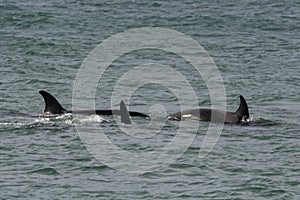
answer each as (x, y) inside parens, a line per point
(92, 119)
(12, 123)
(187, 116)
(41, 120)
(51, 120)
(67, 115)
(85, 119)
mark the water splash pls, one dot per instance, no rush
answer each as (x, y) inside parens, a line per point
(47, 120)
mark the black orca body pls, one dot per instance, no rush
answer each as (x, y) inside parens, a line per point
(216, 116)
(53, 107)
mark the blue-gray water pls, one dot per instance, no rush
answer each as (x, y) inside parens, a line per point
(255, 45)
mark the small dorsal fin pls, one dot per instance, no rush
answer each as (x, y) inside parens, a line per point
(242, 111)
(51, 104)
(125, 117)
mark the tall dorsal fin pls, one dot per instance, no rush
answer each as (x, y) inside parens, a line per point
(125, 117)
(51, 104)
(242, 111)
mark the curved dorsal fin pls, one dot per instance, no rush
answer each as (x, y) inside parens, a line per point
(125, 117)
(242, 111)
(51, 104)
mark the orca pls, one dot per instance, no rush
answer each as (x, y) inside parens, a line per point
(53, 107)
(241, 115)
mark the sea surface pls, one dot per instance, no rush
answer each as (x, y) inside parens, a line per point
(256, 48)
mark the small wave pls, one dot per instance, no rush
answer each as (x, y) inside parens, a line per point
(69, 119)
(13, 124)
(46, 171)
(262, 122)
(42, 120)
(93, 168)
(52, 120)
(89, 119)
(48, 120)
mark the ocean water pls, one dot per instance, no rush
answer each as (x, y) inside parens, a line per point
(255, 46)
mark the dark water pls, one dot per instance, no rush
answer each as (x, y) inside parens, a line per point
(255, 45)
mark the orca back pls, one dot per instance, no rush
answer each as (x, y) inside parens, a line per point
(52, 106)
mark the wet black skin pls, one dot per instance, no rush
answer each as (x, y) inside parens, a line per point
(52, 106)
(217, 116)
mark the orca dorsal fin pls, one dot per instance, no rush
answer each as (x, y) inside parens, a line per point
(242, 112)
(125, 117)
(52, 106)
